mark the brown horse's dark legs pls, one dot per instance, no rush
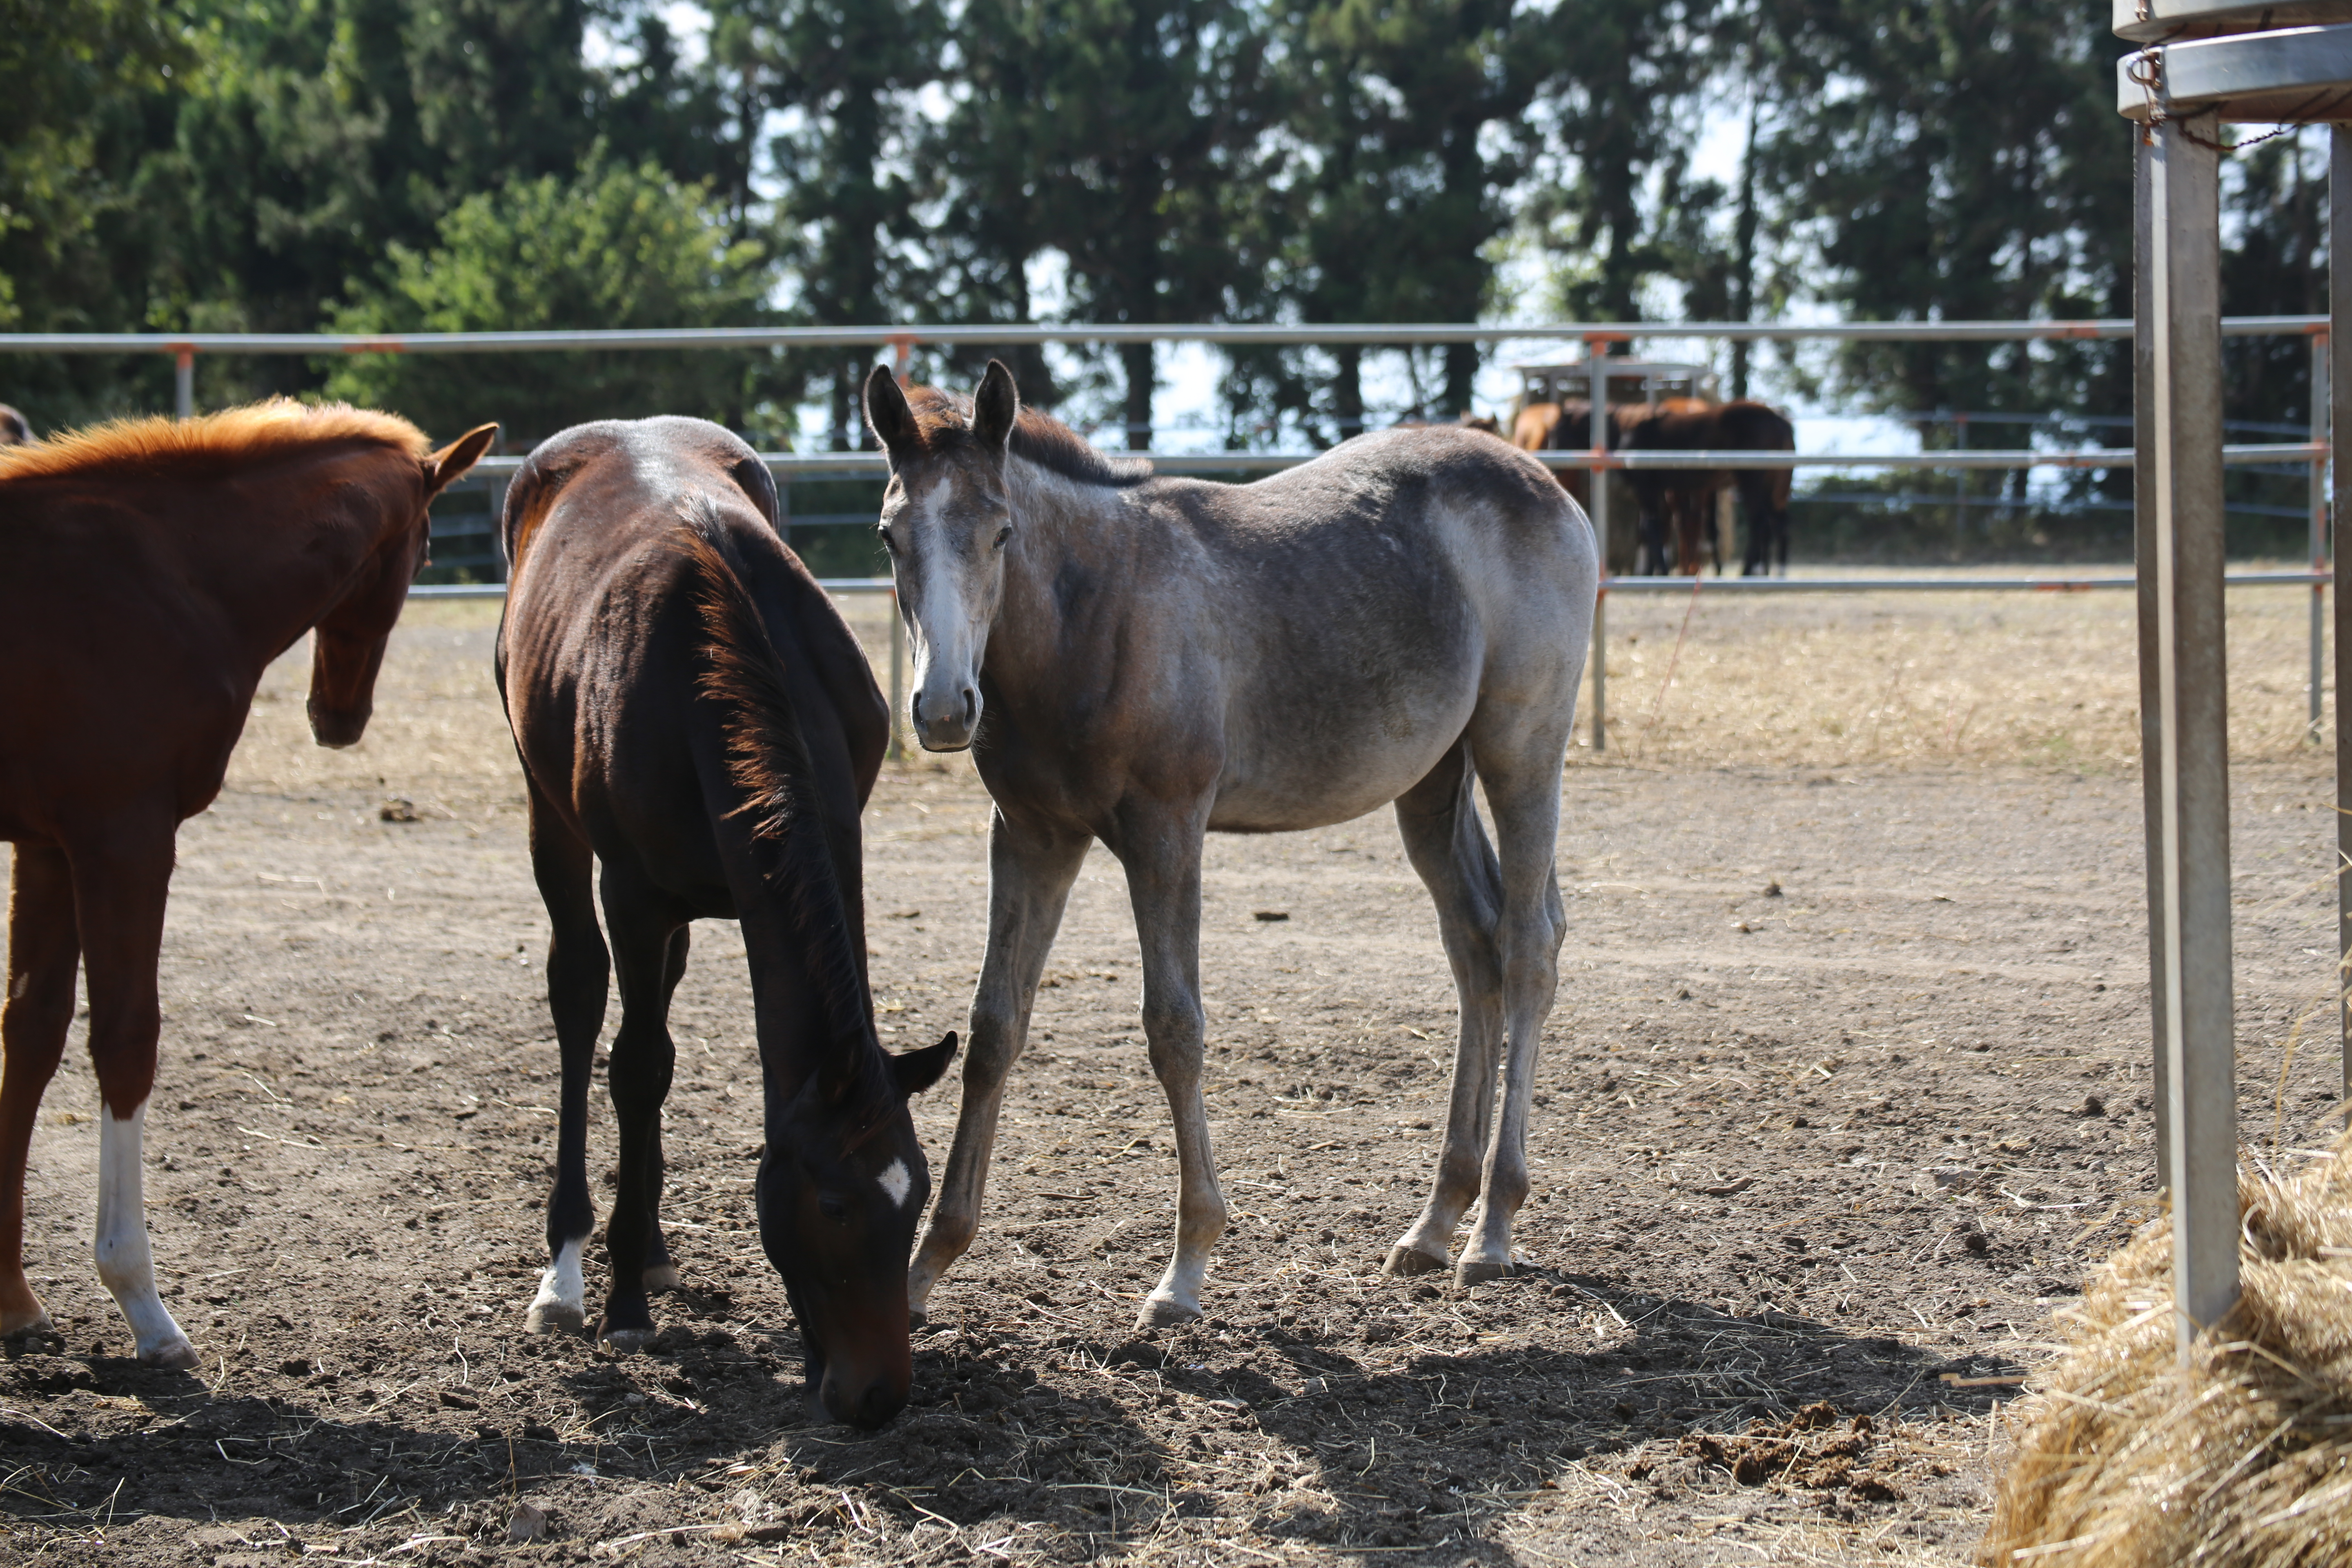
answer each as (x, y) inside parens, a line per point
(121, 882)
(1161, 853)
(1029, 874)
(577, 972)
(1438, 819)
(661, 1272)
(43, 951)
(637, 1071)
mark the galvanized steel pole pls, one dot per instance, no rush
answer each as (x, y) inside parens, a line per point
(2339, 399)
(1596, 350)
(183, 380)
(897, 676)
(2181, 516)
(2318, 534)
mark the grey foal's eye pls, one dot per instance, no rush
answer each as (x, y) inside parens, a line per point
(1002, 535)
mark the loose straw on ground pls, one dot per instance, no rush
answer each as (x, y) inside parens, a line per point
(2242, 1456)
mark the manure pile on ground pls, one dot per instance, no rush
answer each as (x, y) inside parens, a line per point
(2243, 1457)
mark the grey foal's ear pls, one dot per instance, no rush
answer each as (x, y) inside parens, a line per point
(995, 406)
(887, 412)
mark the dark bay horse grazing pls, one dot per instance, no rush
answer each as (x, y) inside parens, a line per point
(1146, 660)
(693, 716)
(150, 570)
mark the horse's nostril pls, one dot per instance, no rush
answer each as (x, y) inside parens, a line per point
(970, 703)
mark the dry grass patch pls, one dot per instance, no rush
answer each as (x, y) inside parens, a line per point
(2047, 679)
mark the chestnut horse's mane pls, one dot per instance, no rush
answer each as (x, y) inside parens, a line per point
(945, 422)
(156, 446)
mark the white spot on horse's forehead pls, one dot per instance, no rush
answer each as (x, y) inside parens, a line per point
(897, 1183)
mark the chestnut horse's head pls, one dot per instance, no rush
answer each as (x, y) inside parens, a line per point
(840, 1185)
(347, 645)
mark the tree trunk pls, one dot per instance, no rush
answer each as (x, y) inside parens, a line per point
(1347, 391)
(1137, 358)
(1743, 275)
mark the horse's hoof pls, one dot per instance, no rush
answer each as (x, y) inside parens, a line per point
(555, 1318)
(661, 1278)
(917, 1316)
(623, 1341)
(1478, 1271)
(24, 1333)
(1165, 1312)
(1407, 1260)
(172, 1355)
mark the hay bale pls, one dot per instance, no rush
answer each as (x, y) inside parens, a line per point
(2244, 1456)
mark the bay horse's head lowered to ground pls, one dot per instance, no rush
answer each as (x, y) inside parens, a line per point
(347, 645)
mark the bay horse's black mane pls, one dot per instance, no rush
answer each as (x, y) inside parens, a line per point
(944, 421)
(767, 761)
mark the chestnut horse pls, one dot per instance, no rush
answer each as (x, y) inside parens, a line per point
(150, 570)
(1147, 660)
(692, 714)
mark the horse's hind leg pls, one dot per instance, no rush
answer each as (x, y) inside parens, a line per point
(647, 959)
(1518, 751)
(1029, 869)
(661, 1273)
(1439, 820)
(43, 949)
(120, 883)
(577, 971)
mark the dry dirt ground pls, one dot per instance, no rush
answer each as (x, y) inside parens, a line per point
(1844, 1090)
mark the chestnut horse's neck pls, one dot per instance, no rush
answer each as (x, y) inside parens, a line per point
(279, 546)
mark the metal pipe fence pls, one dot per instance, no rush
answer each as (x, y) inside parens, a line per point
(1595, 337)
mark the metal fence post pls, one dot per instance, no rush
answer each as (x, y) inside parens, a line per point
(1597, 379)
(2318, 532)
(898, 676)
(184, 381)
(2339, 397)
(2178, 240)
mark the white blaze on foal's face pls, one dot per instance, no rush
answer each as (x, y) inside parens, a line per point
(897, 1183)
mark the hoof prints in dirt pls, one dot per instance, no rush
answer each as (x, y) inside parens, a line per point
(1348, 1413)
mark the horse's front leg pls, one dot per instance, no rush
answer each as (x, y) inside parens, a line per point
(1029, 869)
(1163, 880)
(35, 1011)
(121, 882)
(578, 971)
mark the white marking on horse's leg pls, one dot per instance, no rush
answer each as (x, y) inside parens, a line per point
(560, 1306)
(1200, 1215)
(1164, 885)
(126, 1263)
(897, 1183)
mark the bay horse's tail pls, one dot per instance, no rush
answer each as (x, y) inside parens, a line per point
(768, 780)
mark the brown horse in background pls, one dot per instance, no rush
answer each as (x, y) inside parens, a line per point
(150, 570)
(1681, 499)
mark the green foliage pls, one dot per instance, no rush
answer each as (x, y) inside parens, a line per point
(402, 165)
(614, 246)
